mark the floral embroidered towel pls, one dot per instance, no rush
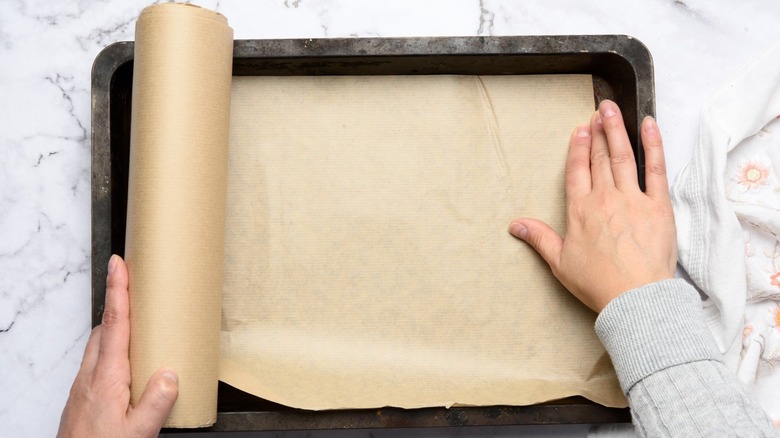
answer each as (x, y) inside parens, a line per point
(727, 207)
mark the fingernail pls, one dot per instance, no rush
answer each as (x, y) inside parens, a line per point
(112, 263)
(583, 132)
(609, 112)
(598, 118)
(650, 126)
(170, 376)
(518, 230)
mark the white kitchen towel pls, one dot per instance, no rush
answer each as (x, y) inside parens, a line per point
(727, 207)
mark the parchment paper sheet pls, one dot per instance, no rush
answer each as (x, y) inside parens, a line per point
(367, 258)
(363, 233)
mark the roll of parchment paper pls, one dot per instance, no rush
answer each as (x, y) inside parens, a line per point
(176, 202)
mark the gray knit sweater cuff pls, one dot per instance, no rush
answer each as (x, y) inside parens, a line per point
(652, 328)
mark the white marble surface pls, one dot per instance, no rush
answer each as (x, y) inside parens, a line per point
(46, 52)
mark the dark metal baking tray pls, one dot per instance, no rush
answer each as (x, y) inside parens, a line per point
(622, 70)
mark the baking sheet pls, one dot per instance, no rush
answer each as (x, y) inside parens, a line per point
(623, 73)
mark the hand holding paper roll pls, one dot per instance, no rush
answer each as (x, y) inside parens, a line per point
(99, 402)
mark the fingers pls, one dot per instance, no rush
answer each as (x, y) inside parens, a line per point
(612, 157)
(621, 154)
(115, 336)
(656, 183)
(156, 402)
(91, 352)
(541, 237)
(578, 182)
(600, 168)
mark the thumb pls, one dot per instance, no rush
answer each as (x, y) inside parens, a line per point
(541, 237)
(155, 403)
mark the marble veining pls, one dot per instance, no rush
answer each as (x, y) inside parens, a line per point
(46, 53)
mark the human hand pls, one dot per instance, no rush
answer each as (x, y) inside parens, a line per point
(617, 238)
(99, 401)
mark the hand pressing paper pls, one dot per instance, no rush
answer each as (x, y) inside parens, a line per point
(366, 259)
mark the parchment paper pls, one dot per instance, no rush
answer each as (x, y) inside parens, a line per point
(361, 222)
(367, 258)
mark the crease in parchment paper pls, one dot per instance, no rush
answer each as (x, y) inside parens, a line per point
(493, 123)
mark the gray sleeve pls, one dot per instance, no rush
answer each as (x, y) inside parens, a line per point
(670, 369)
